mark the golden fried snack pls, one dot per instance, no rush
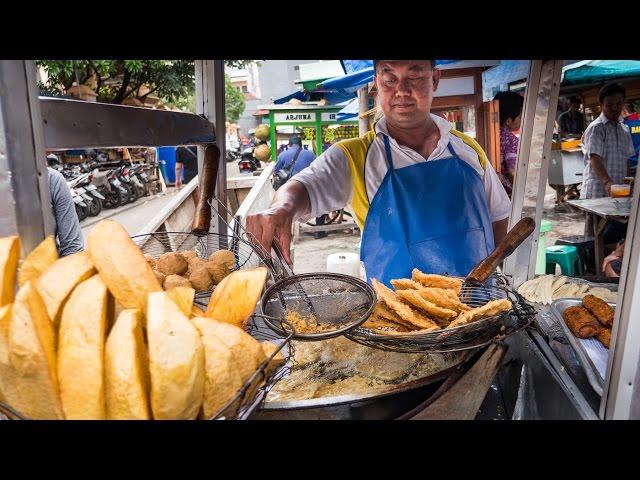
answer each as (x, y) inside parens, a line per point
(406, 284)
(404, 311)
(599, 309)
(604, 335)
(581, 322)
(443, 297)
(415, 299)
(375, 322)
(438, 281)
(492, 308)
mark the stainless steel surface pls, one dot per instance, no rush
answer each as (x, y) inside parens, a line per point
(541, 100)
(542, 389)
(559, 306)
(69, 124)
(606, 207)
(621, 399)
(26, 206)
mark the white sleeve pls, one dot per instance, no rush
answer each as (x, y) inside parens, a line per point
(497, 198)
(328, 182)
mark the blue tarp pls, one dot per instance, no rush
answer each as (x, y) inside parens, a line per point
(348, 112)
(589, 71)
(302, 96)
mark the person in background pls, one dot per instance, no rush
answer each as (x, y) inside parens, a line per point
(67, 226)
(571, 122)
(510, 105)
(632, 120)
(612, 264)
(607, 145)
(187, 159)
(303, 160)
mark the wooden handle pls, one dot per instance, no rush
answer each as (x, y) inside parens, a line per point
(506, 247)
(207, 189)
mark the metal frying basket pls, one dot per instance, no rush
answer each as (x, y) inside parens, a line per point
(464, 337)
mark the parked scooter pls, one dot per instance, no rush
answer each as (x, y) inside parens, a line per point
(248, 163)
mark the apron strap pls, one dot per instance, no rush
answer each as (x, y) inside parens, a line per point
(387, 149)
(451, 150)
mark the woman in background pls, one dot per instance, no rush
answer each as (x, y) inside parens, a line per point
(510, 105)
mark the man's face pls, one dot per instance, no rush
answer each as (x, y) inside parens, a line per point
(612, 106)
(405, 90)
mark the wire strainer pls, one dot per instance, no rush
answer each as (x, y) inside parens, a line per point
(471, 335)
(318, 306)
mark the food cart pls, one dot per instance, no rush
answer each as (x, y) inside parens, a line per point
(536, 372)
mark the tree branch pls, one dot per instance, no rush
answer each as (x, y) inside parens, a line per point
(123, 87)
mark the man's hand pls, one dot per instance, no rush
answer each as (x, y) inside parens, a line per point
(607, 187)
(178, 184)
(275, 222)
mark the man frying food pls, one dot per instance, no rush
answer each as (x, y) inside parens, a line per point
(423, 194)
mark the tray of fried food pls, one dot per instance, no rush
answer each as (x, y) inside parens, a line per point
(587, 325)
(428, 303)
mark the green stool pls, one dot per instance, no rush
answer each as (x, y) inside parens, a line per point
(567, 257)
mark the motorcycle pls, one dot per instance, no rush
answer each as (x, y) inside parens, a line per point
(82, 210)
(233, 155)
(248, 163)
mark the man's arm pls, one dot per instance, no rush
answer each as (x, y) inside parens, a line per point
(322, 187)
(601, 172)
(64, 212)
(179, 167)
(290, 203)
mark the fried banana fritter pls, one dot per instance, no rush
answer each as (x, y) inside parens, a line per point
(443, 297)
(580, 322)
(406, 284)
(600, 309)
(490, 309)
(438, 281)
(433, 310)
(404, 311)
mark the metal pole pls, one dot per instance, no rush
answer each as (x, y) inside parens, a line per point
(541, 100)
(210, 103)
(621, 396)
(363, 106)
(26, 205)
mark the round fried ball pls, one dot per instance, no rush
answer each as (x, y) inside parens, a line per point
(221, 264)
(200, 279)
(172, 263)
(160, 276)
(175, 281)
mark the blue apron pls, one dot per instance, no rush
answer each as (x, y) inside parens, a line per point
(432, 216)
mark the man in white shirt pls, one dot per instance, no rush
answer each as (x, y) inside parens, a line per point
(424, 195)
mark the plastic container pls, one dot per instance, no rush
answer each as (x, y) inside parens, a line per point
(541, 259)
(347, 263)
(620, 190)
(167, 159)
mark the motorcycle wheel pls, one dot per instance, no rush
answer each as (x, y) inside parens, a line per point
(124, 197)
(95, 207)
(139, 191)
(112, 199)
(131, 194)
(81, 211)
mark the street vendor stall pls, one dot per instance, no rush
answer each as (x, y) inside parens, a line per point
(507, 331)
(318, 120)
